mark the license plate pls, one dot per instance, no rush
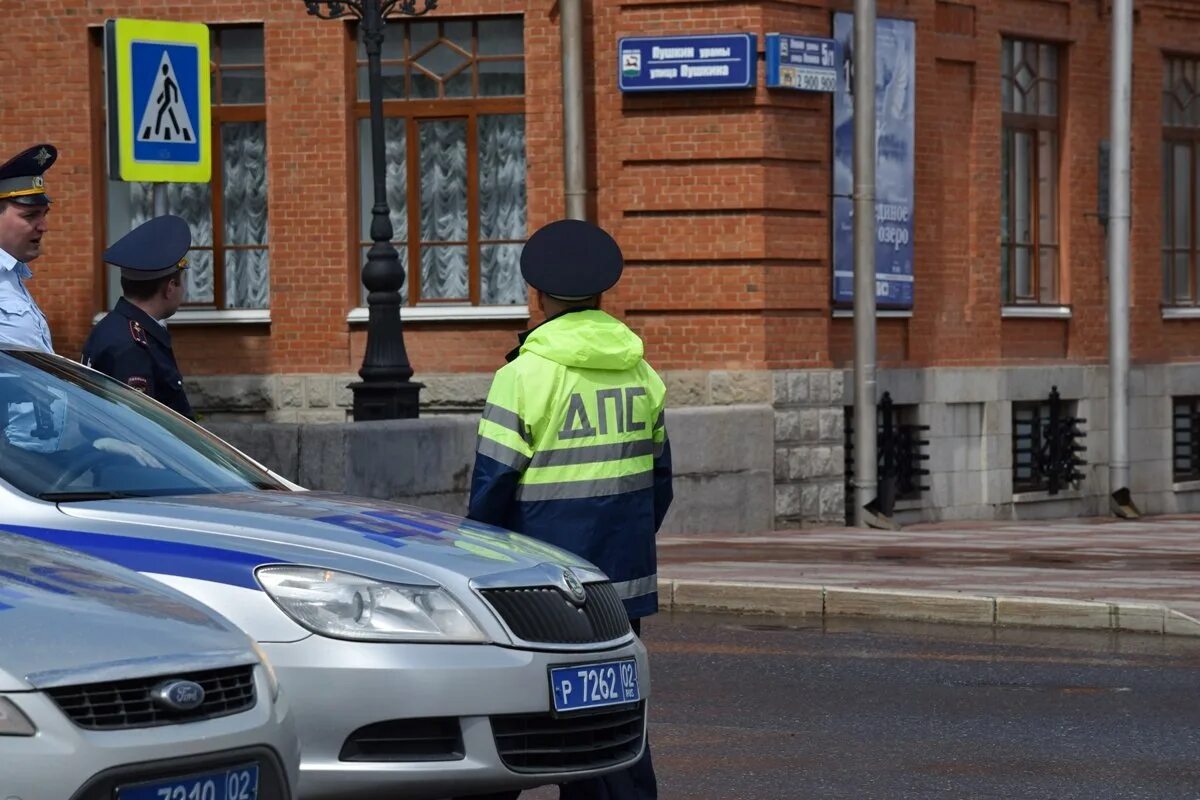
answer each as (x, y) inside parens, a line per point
(239, 783)
(582, 686)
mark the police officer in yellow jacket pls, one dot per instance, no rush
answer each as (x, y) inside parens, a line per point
(572, 447)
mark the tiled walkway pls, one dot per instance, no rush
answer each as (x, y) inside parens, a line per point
(1153, 560)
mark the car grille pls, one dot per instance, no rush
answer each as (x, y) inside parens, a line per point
(546, 743)
(425, 739)
(116, 705)
(544, 614)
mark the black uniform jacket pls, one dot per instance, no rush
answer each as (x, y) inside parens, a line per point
(133, 347)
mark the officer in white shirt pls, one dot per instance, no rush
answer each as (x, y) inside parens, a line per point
(24, 206)
(23, 209)
(33, 427)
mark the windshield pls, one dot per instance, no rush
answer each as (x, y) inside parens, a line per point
(71, 433)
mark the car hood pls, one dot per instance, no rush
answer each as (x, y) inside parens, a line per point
(375, 538)
(67, 618)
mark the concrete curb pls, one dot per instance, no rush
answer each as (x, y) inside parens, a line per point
(746, 597)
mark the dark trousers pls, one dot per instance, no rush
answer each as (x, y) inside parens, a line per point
(634, 783)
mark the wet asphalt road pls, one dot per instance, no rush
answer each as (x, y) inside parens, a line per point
(758, 708)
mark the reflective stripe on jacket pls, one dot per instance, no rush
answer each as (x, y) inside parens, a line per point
(573, 449)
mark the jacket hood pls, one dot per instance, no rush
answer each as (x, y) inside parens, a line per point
(590, 339)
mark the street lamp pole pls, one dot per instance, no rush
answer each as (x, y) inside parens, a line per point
(386, 390)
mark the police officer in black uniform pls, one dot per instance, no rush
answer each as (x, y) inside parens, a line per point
(131, 343)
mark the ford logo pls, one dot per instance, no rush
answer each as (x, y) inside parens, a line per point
(178, 695)
(574, 588)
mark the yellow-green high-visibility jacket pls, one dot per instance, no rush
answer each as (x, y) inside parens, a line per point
(573, 449)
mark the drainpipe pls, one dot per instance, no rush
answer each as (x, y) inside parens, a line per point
(574, 135)
(1118, 261)
(865, 472)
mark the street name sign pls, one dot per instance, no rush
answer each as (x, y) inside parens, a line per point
(682, 63)
(805, 63)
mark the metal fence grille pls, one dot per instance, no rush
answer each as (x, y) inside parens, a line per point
(1185, 438)
(900, 451)
(1046, 442)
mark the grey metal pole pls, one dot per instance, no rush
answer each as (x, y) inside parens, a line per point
(159, 193)
(1118, 253)
(865, 477)
(574, 153)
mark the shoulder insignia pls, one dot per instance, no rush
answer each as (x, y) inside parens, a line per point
(138, 332)
(139, 383)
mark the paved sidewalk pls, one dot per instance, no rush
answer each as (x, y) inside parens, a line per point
(1141, 575)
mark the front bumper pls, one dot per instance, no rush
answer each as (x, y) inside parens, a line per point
(65, 761)
(272, 777)
(339, 687)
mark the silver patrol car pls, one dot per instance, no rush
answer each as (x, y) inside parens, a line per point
(425, 655)
(113, 686)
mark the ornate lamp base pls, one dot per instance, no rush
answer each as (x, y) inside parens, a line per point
(378, 400)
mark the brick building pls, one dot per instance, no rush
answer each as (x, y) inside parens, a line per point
(722, 203)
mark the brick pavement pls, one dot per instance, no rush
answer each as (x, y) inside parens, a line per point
(1152, 561)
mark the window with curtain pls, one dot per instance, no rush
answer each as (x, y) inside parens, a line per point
(454, 134)
(1180, 176)
(1029, 246)
(228, 266)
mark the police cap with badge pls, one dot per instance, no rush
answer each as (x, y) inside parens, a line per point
(571, 260)
(155, 249)
(21, 176)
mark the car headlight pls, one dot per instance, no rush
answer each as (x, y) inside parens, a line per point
(346, 606)
(13, 721)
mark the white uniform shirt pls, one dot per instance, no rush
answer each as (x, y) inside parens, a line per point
(21, 321)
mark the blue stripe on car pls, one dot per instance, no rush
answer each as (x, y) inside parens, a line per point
(232, 567)
(11, 595)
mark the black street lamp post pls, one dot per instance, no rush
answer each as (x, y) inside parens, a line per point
(386, 390)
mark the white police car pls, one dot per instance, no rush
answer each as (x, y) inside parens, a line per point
(113, 686)
(424, 655)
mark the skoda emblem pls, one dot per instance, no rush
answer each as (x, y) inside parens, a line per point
(178, 695)
(574, 588)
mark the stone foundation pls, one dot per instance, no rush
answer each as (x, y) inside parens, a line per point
(723, 479)
(809, 448)
(756, 440)
(327, 398)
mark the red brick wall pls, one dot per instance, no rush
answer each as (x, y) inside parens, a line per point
(720, 200)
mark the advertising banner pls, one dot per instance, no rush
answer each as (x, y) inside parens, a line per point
(895, 107)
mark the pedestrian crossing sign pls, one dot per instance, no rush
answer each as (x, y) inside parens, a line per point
(158, 101)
